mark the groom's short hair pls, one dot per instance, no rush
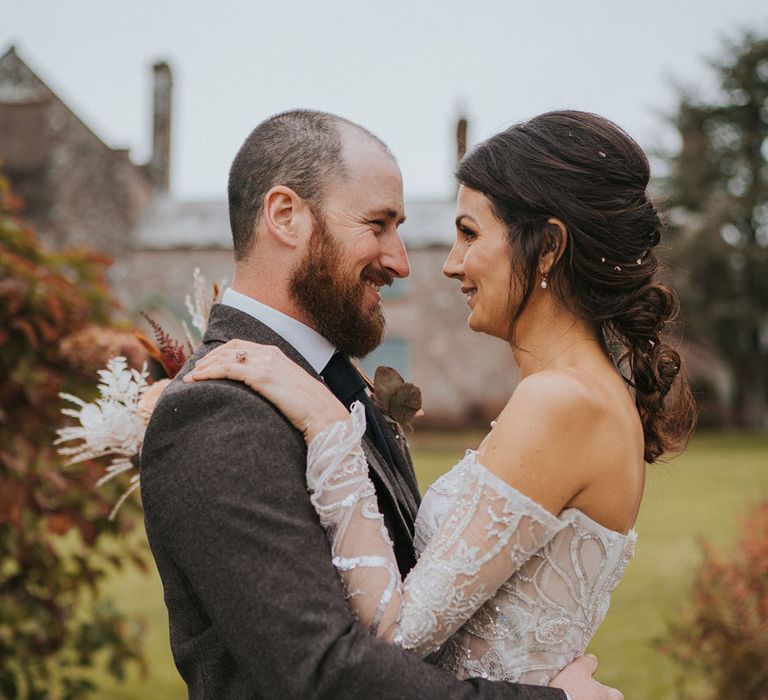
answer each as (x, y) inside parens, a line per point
(301, 149)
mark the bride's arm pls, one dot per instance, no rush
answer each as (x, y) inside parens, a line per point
(492, 530)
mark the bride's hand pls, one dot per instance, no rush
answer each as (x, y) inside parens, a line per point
(301, 398)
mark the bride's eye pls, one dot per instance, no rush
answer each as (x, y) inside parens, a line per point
(467, 233)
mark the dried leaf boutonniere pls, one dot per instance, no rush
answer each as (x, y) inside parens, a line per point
(399, 400)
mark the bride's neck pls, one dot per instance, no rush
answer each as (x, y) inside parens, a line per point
(548, 336)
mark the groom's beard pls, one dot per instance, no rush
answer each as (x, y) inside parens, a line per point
(333, 299)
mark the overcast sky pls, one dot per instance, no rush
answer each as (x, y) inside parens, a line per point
(403, 68)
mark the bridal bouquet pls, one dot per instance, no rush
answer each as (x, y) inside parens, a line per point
(114, 424)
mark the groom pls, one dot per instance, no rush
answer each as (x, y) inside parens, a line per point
(256, 608)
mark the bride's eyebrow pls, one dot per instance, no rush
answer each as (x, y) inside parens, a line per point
(460, 219)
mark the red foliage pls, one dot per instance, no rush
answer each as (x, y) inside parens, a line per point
(725, 635)
(52, 520)
(169, 352)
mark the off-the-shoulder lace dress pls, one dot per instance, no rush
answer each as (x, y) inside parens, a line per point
(502, 588)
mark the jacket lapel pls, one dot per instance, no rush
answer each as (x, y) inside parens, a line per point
(398, 447)
(396, 493)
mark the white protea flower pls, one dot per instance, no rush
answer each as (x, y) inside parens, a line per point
(111, 425)
(204, 296)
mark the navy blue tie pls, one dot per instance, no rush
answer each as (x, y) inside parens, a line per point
(348, 386)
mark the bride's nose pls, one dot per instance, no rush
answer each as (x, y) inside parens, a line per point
(454, 264)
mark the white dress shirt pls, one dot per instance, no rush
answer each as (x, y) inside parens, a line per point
(315, 349)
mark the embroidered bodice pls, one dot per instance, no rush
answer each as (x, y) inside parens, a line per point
(544, 615)
(502, 588)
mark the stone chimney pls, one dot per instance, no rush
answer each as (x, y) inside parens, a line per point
(461, 138)
(160, 165)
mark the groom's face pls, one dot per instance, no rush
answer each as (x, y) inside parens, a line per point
(354, 250)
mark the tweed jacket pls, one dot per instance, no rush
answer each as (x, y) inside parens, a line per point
(255, 606)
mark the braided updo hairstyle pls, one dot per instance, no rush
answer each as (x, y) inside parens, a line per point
(586, 171)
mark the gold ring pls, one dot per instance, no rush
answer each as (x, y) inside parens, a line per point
(241, 356)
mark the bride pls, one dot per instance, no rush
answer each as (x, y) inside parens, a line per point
(523, 541)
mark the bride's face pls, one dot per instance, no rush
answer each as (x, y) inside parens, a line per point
(480, 260)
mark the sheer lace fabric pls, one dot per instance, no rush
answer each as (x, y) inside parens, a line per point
(544, 615)
(345, 500)
(509, 591)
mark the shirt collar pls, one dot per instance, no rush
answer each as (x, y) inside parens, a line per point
(315, 348)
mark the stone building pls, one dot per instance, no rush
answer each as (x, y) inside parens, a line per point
(465, 377)
(78, 190)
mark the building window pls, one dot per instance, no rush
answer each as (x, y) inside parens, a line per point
(393, 352)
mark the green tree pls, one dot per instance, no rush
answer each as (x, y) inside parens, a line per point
(54, 530)
(717, 194)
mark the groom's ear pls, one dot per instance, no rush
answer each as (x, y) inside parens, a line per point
(286, 216)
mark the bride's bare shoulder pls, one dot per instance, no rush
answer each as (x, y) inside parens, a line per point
(541, 441)
(565, 393)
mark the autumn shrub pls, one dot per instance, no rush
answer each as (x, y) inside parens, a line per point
(56, 542)
(723, 637)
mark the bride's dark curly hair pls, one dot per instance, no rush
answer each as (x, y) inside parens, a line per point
(587, 172)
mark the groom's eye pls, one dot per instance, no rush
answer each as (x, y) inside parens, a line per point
(378, 225)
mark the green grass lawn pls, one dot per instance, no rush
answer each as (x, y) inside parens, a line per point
(701, 494)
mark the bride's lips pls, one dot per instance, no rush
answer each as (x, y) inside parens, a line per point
(470, 292)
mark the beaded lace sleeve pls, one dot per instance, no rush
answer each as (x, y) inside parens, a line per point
(492, 530)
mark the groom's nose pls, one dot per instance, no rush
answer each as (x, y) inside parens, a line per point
(394, 257)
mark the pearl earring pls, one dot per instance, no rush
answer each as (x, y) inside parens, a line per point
(544, 280)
